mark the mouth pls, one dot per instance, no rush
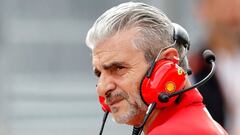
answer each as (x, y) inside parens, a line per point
(114, 100)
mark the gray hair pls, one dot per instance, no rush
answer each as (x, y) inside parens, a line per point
(154, 27)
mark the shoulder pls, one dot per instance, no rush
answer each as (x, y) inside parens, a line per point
(186, 130)
(191, 121)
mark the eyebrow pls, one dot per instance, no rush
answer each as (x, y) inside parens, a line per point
(109, 66)
(113, 64)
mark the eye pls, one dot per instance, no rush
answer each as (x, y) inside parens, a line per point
(120, 70)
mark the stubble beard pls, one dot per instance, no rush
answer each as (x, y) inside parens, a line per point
(134, 109)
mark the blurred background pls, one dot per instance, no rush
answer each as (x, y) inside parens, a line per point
(46, 82)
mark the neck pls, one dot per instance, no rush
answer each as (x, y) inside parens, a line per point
(150, 120)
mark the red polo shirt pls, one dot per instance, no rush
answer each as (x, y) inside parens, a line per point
(189, 117)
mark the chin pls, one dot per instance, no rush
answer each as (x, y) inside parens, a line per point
(124, 120)
(131, 117)
(127, 113)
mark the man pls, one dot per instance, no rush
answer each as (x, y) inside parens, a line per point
(124, 42)
(221, 19)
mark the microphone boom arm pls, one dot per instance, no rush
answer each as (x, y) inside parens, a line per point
(199, 83)
(210, 59)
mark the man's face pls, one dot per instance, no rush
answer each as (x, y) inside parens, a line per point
(120, 67)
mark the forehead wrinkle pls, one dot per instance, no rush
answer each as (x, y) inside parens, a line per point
(101, 61)
(101, 56)
(111, 60)
(110, 48)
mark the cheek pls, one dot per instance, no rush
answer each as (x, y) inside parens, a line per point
(130, 83)
(131, 87)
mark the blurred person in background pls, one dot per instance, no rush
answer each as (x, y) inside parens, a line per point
(221, 18)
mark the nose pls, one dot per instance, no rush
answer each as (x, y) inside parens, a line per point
(105, 85)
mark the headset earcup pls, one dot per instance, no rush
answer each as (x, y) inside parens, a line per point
(167, 77)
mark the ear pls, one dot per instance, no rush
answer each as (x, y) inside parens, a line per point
(170, 54)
